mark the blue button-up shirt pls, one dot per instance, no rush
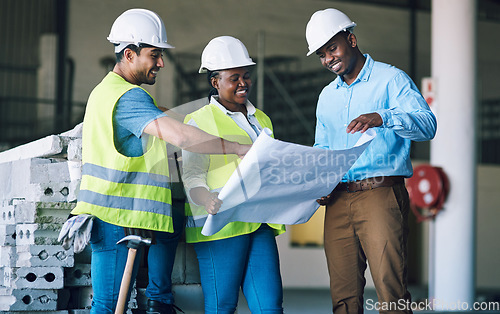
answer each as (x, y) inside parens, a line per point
(388, 91)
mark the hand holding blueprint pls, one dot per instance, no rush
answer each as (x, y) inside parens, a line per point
(279, 182)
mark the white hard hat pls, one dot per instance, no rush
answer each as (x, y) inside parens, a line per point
(137, 26)
(325, 24)
(224, 52)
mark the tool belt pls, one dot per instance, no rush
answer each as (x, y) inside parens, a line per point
(368, 184)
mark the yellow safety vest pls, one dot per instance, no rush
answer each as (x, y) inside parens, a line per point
(125, 191)
(214, 121)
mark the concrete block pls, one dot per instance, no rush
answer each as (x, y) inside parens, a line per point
(75, 170)
(44, 255)
(15, 176)
(77, 276)
(39, 234)
(74, 188)
(28, 300)
(38, 179)
(8, 235)
(47, 146)
(75, 150)
(76, 132)
(83, 298)
(8, 256)
(41, 212)
(33, 277)
(7, 215)
(54, 171)
(47, 192)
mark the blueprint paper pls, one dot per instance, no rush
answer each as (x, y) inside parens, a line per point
(279, 182)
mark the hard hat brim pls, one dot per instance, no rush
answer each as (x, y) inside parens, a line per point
(204, 69)
(349, 27)
(119, 46)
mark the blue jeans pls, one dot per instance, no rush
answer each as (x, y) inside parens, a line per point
(248, 261)
(109, 259)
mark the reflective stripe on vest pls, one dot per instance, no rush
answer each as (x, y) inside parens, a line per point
(214, 121)
(126, 191)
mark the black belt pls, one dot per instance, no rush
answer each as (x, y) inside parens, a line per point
(368, 184)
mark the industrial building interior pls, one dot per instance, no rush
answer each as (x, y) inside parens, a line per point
(55, 51)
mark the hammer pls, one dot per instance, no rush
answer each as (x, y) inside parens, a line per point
(134, 243)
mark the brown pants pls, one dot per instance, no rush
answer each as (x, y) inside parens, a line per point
(367, 225)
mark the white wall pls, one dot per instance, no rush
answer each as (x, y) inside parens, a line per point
(191, 24)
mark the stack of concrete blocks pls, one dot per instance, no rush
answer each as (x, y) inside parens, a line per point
(39, 186)
(40, 181)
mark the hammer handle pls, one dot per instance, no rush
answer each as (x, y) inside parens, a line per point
(127, 276)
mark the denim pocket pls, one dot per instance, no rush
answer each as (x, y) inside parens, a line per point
(96, 234)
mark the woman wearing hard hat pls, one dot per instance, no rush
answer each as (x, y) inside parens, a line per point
(241, 254)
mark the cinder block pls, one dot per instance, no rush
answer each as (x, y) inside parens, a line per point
(77, 276)
(56, 170)
(28, 300)
(7, 215)
(44, 256)
(41, 212)
(33, 277)
(39, 234)
(8, 256)
(47, 146)
(83, 298)
(74, 188)
(75, 132)
(75, 170)
(35, 180)
(21, 173)
(47, 192)
(75, 150)
(8, 235)
(15, 176)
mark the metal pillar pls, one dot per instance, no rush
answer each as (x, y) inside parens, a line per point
(452, 242)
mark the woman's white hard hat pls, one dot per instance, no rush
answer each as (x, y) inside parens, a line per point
(325, 24)
(224, 52)
(136, 26)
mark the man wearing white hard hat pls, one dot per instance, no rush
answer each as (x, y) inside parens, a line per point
(366, 214)
(125, 177)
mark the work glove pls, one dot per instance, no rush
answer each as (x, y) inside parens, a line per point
(76, 231)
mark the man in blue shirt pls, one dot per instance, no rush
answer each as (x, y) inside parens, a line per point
(366, 214)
